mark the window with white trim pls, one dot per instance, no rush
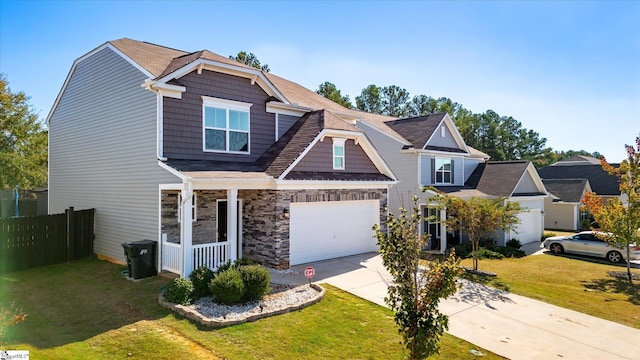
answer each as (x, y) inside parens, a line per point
(443, 171)
(226, 125)
(338, 153)
(194, 208)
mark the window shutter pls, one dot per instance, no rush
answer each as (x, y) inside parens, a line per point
(433, 171)
(452, 172)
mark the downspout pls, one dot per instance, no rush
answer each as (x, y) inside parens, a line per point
(148, 85)
(160, 126)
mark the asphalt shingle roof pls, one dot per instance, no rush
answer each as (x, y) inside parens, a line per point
(600, 181)
(567, 190)
(417, 130)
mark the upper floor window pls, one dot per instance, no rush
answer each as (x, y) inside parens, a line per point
(338, 153)
(443, 171)
(226, 125)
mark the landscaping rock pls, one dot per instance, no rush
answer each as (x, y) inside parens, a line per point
(282, 299)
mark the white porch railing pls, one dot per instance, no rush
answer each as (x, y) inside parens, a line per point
(211, 255)
(171, 257)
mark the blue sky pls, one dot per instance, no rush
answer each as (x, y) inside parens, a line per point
(568, 70)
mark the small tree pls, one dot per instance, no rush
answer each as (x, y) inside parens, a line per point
(416, 292)
(23, 142)
(478, 217)
(619, 222)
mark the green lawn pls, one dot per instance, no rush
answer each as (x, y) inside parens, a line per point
(575, 284)
(87, 310)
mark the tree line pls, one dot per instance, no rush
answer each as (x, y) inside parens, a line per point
(501, 137)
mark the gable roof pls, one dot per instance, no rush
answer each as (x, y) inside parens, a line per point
(500, 178)
(567, 190)
(600, 181)
(417, 130)
(161, 61)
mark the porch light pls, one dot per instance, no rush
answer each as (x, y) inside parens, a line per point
(285, 212)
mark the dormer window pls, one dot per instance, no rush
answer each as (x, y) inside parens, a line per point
(338, 153)
(225, 125)
(443, 131)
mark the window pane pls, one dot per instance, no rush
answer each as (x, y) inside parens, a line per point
(215, 140)
(447, 165)
(238, 141)
(438, 177)
(338, 150)
(238, 120)
(338, 162)
(447, 177)
(215, 117)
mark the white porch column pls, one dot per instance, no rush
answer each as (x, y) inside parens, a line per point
(186, 240)
(443, 231)
(232, 223)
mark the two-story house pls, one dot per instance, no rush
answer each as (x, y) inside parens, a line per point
(213, 159)
(429, 151)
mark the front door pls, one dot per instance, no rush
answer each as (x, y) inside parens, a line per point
(221, 219)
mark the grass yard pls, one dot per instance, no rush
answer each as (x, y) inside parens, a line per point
(574, 284)
(87, 310)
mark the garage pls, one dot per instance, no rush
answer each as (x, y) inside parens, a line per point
(326, 230)
(530, 227)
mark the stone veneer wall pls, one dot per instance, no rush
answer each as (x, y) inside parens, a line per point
(204, 228)
(265, 227)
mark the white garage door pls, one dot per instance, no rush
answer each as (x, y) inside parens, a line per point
(530, 228)
(325, 230)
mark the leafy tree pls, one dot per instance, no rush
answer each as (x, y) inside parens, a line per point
(477, 217)
(416, 293)
(619, 222)
(250, 59)
(394, 101)
(370, 100)
(332, 93)
(23, 142)
(422, 105)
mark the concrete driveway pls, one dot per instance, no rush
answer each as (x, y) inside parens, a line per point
(507, 324)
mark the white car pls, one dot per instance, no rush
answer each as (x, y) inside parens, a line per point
(587, 243)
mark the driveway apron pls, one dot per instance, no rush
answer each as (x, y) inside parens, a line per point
(509, 325)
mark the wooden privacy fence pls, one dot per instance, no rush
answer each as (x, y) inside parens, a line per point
(29, 242)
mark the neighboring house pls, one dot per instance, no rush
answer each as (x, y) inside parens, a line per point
(563, 207)
(213, 159)
(571, 178)
(429, 151)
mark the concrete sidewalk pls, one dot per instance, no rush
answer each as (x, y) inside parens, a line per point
(509, 325)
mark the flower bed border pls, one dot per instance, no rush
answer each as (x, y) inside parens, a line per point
(205, 321)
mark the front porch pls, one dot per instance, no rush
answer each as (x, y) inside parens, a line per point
(213, 226)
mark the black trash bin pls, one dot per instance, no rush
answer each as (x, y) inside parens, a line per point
(141, 258)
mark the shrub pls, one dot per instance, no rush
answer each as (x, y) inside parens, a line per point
(201, 278)
(227, 287)
(462, 250)
(233, 265)
(547, 234)
(179, 291)
(484, 253)
(508, 251)
(514, 244)
(256, 281)
(487, 243)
